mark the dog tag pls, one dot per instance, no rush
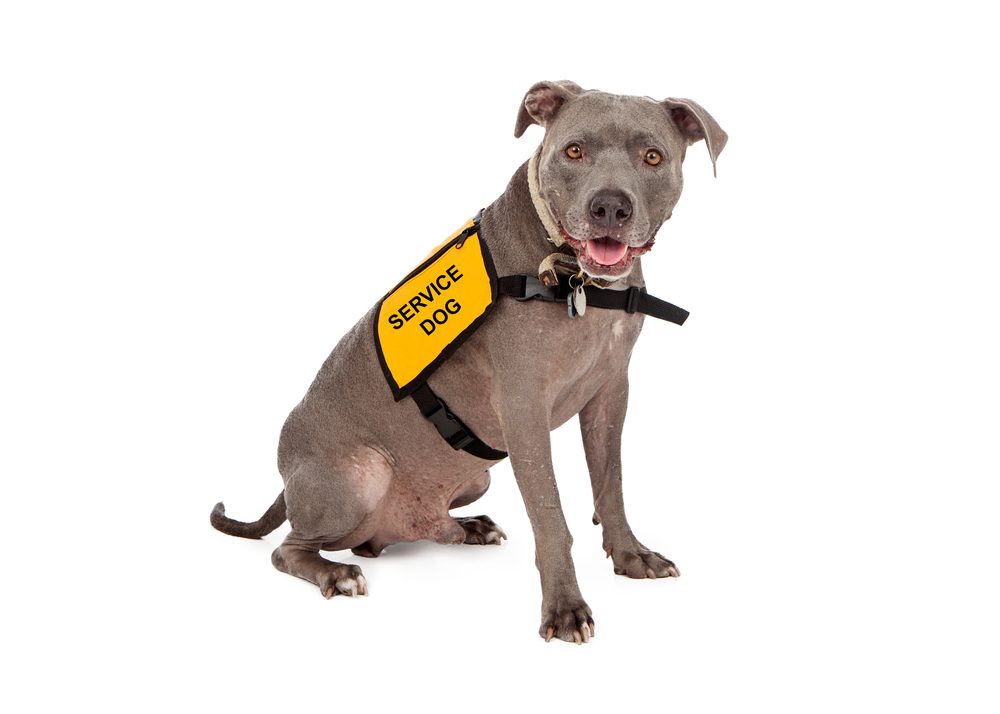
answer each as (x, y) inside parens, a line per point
(576, 302)
(580, 300)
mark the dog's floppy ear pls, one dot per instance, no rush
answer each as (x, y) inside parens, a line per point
(542, 103)
(695, 124)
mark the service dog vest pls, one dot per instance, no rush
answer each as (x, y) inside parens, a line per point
(434, 309)
(424, 319)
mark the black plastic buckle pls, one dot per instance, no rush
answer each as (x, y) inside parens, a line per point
(449, 427)
(632, 296)
(533, 288)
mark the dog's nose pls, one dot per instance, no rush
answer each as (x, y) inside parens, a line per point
(610, 209)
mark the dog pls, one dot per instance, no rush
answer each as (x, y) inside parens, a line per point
(362, 470)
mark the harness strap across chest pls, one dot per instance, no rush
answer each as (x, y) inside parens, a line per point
(460, 274)
(633, 299)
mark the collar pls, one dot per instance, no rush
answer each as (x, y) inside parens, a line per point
(544, 214)
(562, 261)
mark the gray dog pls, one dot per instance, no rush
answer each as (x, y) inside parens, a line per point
(362, 470)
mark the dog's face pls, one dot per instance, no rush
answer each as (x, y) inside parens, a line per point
(609, 169)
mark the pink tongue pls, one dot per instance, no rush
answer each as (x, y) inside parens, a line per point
(606, 251)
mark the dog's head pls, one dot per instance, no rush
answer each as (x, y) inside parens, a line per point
(609, 167)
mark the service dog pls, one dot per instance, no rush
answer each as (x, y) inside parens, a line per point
(364, 468)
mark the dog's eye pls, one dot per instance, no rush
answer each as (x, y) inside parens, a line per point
(574, 151)
(652, 157)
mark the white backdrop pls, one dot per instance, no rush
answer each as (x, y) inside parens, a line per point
(198, 198)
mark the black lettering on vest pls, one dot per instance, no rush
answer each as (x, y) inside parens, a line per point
(440, 286)
(405, 312)
(416, 302)
(429, 295)
(396, 321)
(440, 316)
(452, 307)
(428, 326)
(454, 274)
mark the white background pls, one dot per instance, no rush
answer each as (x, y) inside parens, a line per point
(197, 199)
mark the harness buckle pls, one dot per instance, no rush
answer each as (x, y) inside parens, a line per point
(533, 288)
(632, 296)
(448, 426)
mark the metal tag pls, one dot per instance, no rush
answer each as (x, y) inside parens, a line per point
(580, 300)
(576, 302)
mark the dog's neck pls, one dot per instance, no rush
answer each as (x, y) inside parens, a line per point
(541, 208)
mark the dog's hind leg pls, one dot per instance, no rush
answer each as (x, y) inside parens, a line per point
(304, 561)
(471, 491)
(329, 504)
(479, 530)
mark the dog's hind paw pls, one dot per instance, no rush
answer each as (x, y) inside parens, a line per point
(343, 580)
(642, 563)
(481, 530)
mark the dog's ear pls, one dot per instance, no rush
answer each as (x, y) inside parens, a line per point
(542, 103)
(695, 124)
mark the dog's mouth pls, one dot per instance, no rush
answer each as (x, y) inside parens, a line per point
(605, 257)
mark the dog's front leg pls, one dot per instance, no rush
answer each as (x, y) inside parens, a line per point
(601, 422)
(565, 615)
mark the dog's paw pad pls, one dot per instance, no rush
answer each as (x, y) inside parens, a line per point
(481, 530)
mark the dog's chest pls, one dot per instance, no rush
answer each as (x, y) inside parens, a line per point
(588, 351)
(536, 346)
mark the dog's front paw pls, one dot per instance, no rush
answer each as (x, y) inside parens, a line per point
(567, 620)
(641, 562)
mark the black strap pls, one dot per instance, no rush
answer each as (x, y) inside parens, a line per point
(528, 287)
(633, 299)
(449, 426)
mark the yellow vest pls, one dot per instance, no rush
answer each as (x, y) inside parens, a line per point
(434, 309)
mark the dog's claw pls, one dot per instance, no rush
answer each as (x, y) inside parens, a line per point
(496, 536)
(569, 622)
(348, 587)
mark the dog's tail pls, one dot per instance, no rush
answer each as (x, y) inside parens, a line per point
(272, 518)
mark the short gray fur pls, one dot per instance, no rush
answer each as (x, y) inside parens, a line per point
(362, 472)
